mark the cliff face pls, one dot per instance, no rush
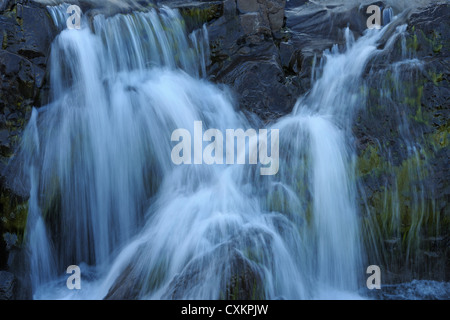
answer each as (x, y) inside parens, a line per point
(26, 33)
(402, 143)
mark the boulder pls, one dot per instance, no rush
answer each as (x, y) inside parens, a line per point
(241, 278)
(236, 266)
(27, 31)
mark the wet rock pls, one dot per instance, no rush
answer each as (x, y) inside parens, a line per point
(7, 283)
(275, 12)
(241, 278)
(26, 33)
(197, 13)
(234, 266)
(126, 287)
(245, 6)
(245, 55)
(416, 98)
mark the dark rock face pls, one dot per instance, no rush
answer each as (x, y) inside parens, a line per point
(265, 50)
(126, 287)
(241, 273)
(415, 290)
(311, 28)
(402, 143)
(7, 283)
(26, 33)
(245, 54)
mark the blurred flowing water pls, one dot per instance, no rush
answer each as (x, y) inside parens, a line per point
(106, 196)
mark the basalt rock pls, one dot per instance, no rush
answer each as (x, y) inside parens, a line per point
(7, 283)
(245, 55)
(402, 145)
(26, 33)
(241, 273)
(241, 276)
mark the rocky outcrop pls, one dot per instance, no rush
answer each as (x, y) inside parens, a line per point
(245, 55)
(415, 290)
(236, 261)
(241, 277)
(402, 143)
(265, 50)
(26, 32)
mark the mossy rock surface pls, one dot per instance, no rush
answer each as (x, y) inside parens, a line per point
(402, 146)
(26, 33)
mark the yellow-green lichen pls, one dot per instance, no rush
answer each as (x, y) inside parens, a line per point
(5, 40)
(14, 215)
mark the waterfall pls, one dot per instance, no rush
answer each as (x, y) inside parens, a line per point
(97, 145)
(106, 196)
(321, 123)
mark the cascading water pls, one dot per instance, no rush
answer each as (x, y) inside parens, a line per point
(320, 125)
(105, 194)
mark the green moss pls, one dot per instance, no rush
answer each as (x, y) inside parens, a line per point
(369, 161)
(400, 207)
(201, 14)
(237, 289)
(433, 42)
(439, 139)
(436, 77)
(402, 212)
(419, 116)
(419, 95)
(413, 98)
(254, 254)
(14, 215)
(157, 275)
(412, 43)
(437, 48)
(277, 202)
(19, 21)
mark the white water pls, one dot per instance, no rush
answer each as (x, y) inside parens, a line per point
(99, 165)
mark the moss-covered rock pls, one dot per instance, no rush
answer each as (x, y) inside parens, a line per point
(245, 54)
(26, 33)
(195, 14)
(403, 153)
